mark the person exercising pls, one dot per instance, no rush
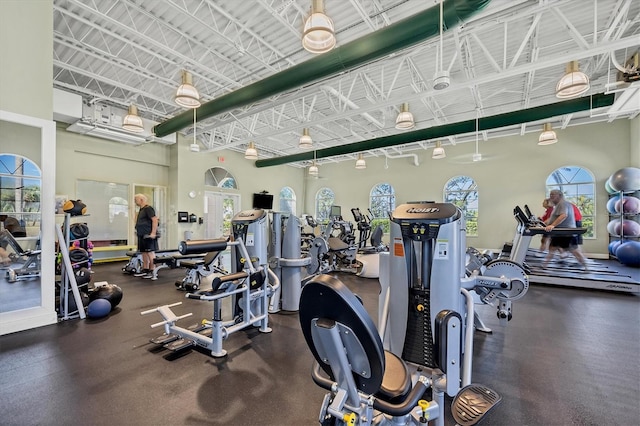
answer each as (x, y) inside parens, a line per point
(562, 217)
(146, 229)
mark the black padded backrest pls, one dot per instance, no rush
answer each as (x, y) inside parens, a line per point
(327, 297)
(376, 236)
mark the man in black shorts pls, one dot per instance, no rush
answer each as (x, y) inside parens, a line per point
(562, 217)
(147, 230)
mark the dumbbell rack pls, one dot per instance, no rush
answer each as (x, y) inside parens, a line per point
(67, 276)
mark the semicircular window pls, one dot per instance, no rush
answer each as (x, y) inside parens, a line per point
(220, 177)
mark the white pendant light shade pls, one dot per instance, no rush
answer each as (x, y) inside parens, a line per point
(404, 121)
(573, 83)
(187, 95)
(477, 157)
(251, 153)
(305, 140)
(548, 136)
(360, 162)
(313, 169)
(438, 151)
(319, 34)
(132, 121)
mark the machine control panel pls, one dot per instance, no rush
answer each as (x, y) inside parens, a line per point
(421, 221)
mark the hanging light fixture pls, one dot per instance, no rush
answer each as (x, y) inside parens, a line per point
(187, 95)
(194, 147)
(251, 153)
(477, 156)
(132, 121)
(318, 35)
(305, 140)
(441, 79)
(548, 136)
(404, 121)
(573, 83)
(438, 151)
(360, 162)
(313, 168)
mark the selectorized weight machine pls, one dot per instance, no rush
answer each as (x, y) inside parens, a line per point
(425, 335)
(248, 286)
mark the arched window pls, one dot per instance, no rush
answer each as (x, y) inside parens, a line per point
(382, 200)
(220, 177)
(463, 192)
(324, 200)
(578, 186)
(288, 200)
(20, 183)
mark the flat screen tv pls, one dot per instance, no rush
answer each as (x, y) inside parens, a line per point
(262, 201)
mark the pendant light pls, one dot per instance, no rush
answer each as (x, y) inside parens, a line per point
(251, 153)
(548, 136)
(319, 34)
(477, 156)
(305, 140)
(187, 95)
(573, 83)
(438, 151)
(405, 121)
(360, 162)
(194, 147)
(441, 79)
(313, 168)
(132, 121)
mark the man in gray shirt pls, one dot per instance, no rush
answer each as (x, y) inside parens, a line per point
(562, 217)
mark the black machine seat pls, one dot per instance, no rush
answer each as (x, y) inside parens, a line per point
(326, 302)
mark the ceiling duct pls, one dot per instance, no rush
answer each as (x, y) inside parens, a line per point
(382, 42)
(544, 112)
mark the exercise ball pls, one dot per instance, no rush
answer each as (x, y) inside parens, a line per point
(607, 186)
(611, 204)
(83, 276)
(629, 228)
(613, 246)
(613, 227)
(98, 308)
(628, 205)
(110, 292)
(628, 253)
(626, 179)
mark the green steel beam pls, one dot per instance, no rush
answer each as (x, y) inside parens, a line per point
(385, 41)
(469, 126)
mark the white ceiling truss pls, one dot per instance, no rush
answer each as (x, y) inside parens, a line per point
(507, 57)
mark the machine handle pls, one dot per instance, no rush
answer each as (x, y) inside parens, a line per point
(156, 309)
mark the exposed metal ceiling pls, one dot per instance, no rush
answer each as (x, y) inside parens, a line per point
(507, 57)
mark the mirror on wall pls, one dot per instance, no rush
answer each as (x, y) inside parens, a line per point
(20, 219)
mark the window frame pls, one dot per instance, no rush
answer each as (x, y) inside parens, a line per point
(471, 218)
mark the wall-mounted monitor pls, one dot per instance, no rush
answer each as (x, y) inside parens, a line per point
(262, 201)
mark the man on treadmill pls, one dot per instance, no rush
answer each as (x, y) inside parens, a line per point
(562, 217)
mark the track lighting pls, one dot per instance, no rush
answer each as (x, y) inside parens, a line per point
(318, 34)
(132, 121)
(405, 121)
(251, 153)
(187, 95)
(548, 136)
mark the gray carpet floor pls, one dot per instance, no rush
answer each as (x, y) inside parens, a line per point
(569, 357)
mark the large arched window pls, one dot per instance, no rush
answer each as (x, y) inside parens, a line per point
(20, 184)
(578, 186)
(288, 200)
(382, 200)
(324, 200)
(463, 192)
(220, 177)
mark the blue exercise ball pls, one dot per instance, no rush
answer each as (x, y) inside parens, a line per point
(99, 308)
(626, 179)
(613, 246)
(611, 204)
(607, 186)
(628, 253)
